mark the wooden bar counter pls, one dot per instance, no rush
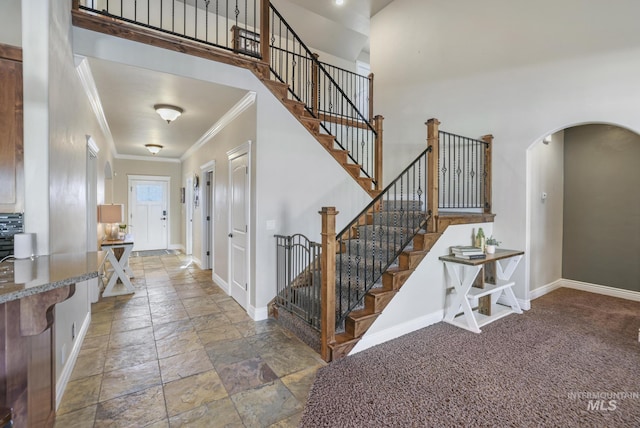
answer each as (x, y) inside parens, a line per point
(29, 291)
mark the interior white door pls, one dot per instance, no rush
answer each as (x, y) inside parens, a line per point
(188, 203)
(148, 214)
(239, 222)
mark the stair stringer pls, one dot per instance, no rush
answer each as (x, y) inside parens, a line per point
(422, 299)
(312, 124)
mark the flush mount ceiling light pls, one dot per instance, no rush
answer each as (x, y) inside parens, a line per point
(153, 148)
(339, 2)
(168, 112)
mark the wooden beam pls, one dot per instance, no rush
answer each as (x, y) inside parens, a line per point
(432, 161)
(11, 53)
(114, 27)
(328, 291)
(340, 120)
(265, 48)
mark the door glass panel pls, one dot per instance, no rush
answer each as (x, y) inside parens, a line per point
(149, 193)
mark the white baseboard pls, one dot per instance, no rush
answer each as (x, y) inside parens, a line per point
(258, 314)
(196, 260)
(601, 289)
(221, 282)
(545, 289)
(177, 247)
(369, 340)
(61, 383)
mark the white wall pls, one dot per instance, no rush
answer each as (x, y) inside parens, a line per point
(10, 22)
(238, 132)
(546, 175)
(122, 168)
(516, 70)
(58, 119)
(423, 299)
(293, 175)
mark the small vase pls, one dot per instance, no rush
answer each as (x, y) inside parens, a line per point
(491, 249)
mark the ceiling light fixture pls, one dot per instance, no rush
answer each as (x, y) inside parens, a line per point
(168, 112)
(153, 148)
(339, 2)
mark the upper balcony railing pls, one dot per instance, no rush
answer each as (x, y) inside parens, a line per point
(255, 31)
(205, 21)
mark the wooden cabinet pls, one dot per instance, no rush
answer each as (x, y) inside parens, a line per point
(11, 126)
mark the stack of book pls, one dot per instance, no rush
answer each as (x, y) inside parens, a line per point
(467, 252)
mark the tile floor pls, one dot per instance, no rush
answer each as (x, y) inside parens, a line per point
(180, 352)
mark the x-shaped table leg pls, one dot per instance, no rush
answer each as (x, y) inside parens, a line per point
(462, 277)
(119, 272)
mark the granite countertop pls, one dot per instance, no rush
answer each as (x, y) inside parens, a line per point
(25, 277)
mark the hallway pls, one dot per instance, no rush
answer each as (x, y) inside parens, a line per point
(180, 352)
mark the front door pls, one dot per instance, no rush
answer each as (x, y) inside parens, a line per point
(239, 226)
(148, 213)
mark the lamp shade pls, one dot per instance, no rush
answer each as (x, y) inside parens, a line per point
(113, 213)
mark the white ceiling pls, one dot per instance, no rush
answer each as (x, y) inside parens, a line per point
(128, 94)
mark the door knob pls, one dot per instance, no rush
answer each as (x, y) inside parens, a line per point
(231, 235)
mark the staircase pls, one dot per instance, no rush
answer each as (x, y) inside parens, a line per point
(273, 52)
(299, 111)
(337, 290)
(364, 266)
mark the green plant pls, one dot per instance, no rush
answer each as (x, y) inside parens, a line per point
(492, 241)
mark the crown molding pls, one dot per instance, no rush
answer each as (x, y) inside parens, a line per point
(247, 101)
(89, 86)
(148, 158)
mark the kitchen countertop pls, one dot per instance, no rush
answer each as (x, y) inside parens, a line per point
(25, 277)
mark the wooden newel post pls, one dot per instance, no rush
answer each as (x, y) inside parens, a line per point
(489, 173)
(328, 291)
(265, 51)
(377, 124)
(433, 157)
(75, 4)
(315, 82)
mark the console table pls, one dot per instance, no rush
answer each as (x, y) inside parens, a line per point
(120, 265)
(485, 280)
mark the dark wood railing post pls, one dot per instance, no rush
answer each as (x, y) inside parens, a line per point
(265, 48)
(377, 124)
(315, 84)
(75, 4)
(370, 77)
(432, 160)
(488, 173)
(328, 291)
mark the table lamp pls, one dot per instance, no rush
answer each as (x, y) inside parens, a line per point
(111, 216)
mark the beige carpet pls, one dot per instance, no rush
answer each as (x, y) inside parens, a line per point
(573, 360)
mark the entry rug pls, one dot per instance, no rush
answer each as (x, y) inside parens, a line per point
(150, 253)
